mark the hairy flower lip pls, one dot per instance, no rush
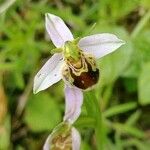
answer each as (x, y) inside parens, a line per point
(83, 74)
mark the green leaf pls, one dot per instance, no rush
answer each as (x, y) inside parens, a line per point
(142, 46)
(133, 118)
(140, 145)
(141, 54)
(128, 130)
(42, 113)
(144, 85)
(122, 108)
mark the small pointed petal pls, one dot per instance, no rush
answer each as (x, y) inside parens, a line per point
(76, 139)
(57, 30)
(74, 100)
(100, 44)
(49, 74)
(47, 145)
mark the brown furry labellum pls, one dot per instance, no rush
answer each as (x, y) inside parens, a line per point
(83, 73)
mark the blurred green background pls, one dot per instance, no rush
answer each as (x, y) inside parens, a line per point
(122, 119)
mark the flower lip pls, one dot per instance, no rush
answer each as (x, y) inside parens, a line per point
(83, 73)
(86, 80)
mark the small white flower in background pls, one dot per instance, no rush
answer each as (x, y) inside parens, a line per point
(74, 61)
(65, 136)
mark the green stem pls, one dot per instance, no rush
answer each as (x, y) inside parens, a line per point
(93, 110)
(141, 24)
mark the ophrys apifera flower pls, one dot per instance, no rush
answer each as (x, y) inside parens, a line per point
(75, 59)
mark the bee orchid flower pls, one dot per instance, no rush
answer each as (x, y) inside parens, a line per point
(74, 60)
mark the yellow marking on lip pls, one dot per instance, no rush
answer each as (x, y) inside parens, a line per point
(82, 73)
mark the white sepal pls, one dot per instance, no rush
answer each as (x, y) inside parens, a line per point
(49, 74)
(100, 44)
(57, 30)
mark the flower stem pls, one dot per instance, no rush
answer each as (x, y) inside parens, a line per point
(93, 110)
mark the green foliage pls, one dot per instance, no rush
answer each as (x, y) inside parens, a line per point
(42, 113)
(115, 116)
(119, 8)
(144, 85)
(122, 108)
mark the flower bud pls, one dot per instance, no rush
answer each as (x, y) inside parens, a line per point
(63, 137)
